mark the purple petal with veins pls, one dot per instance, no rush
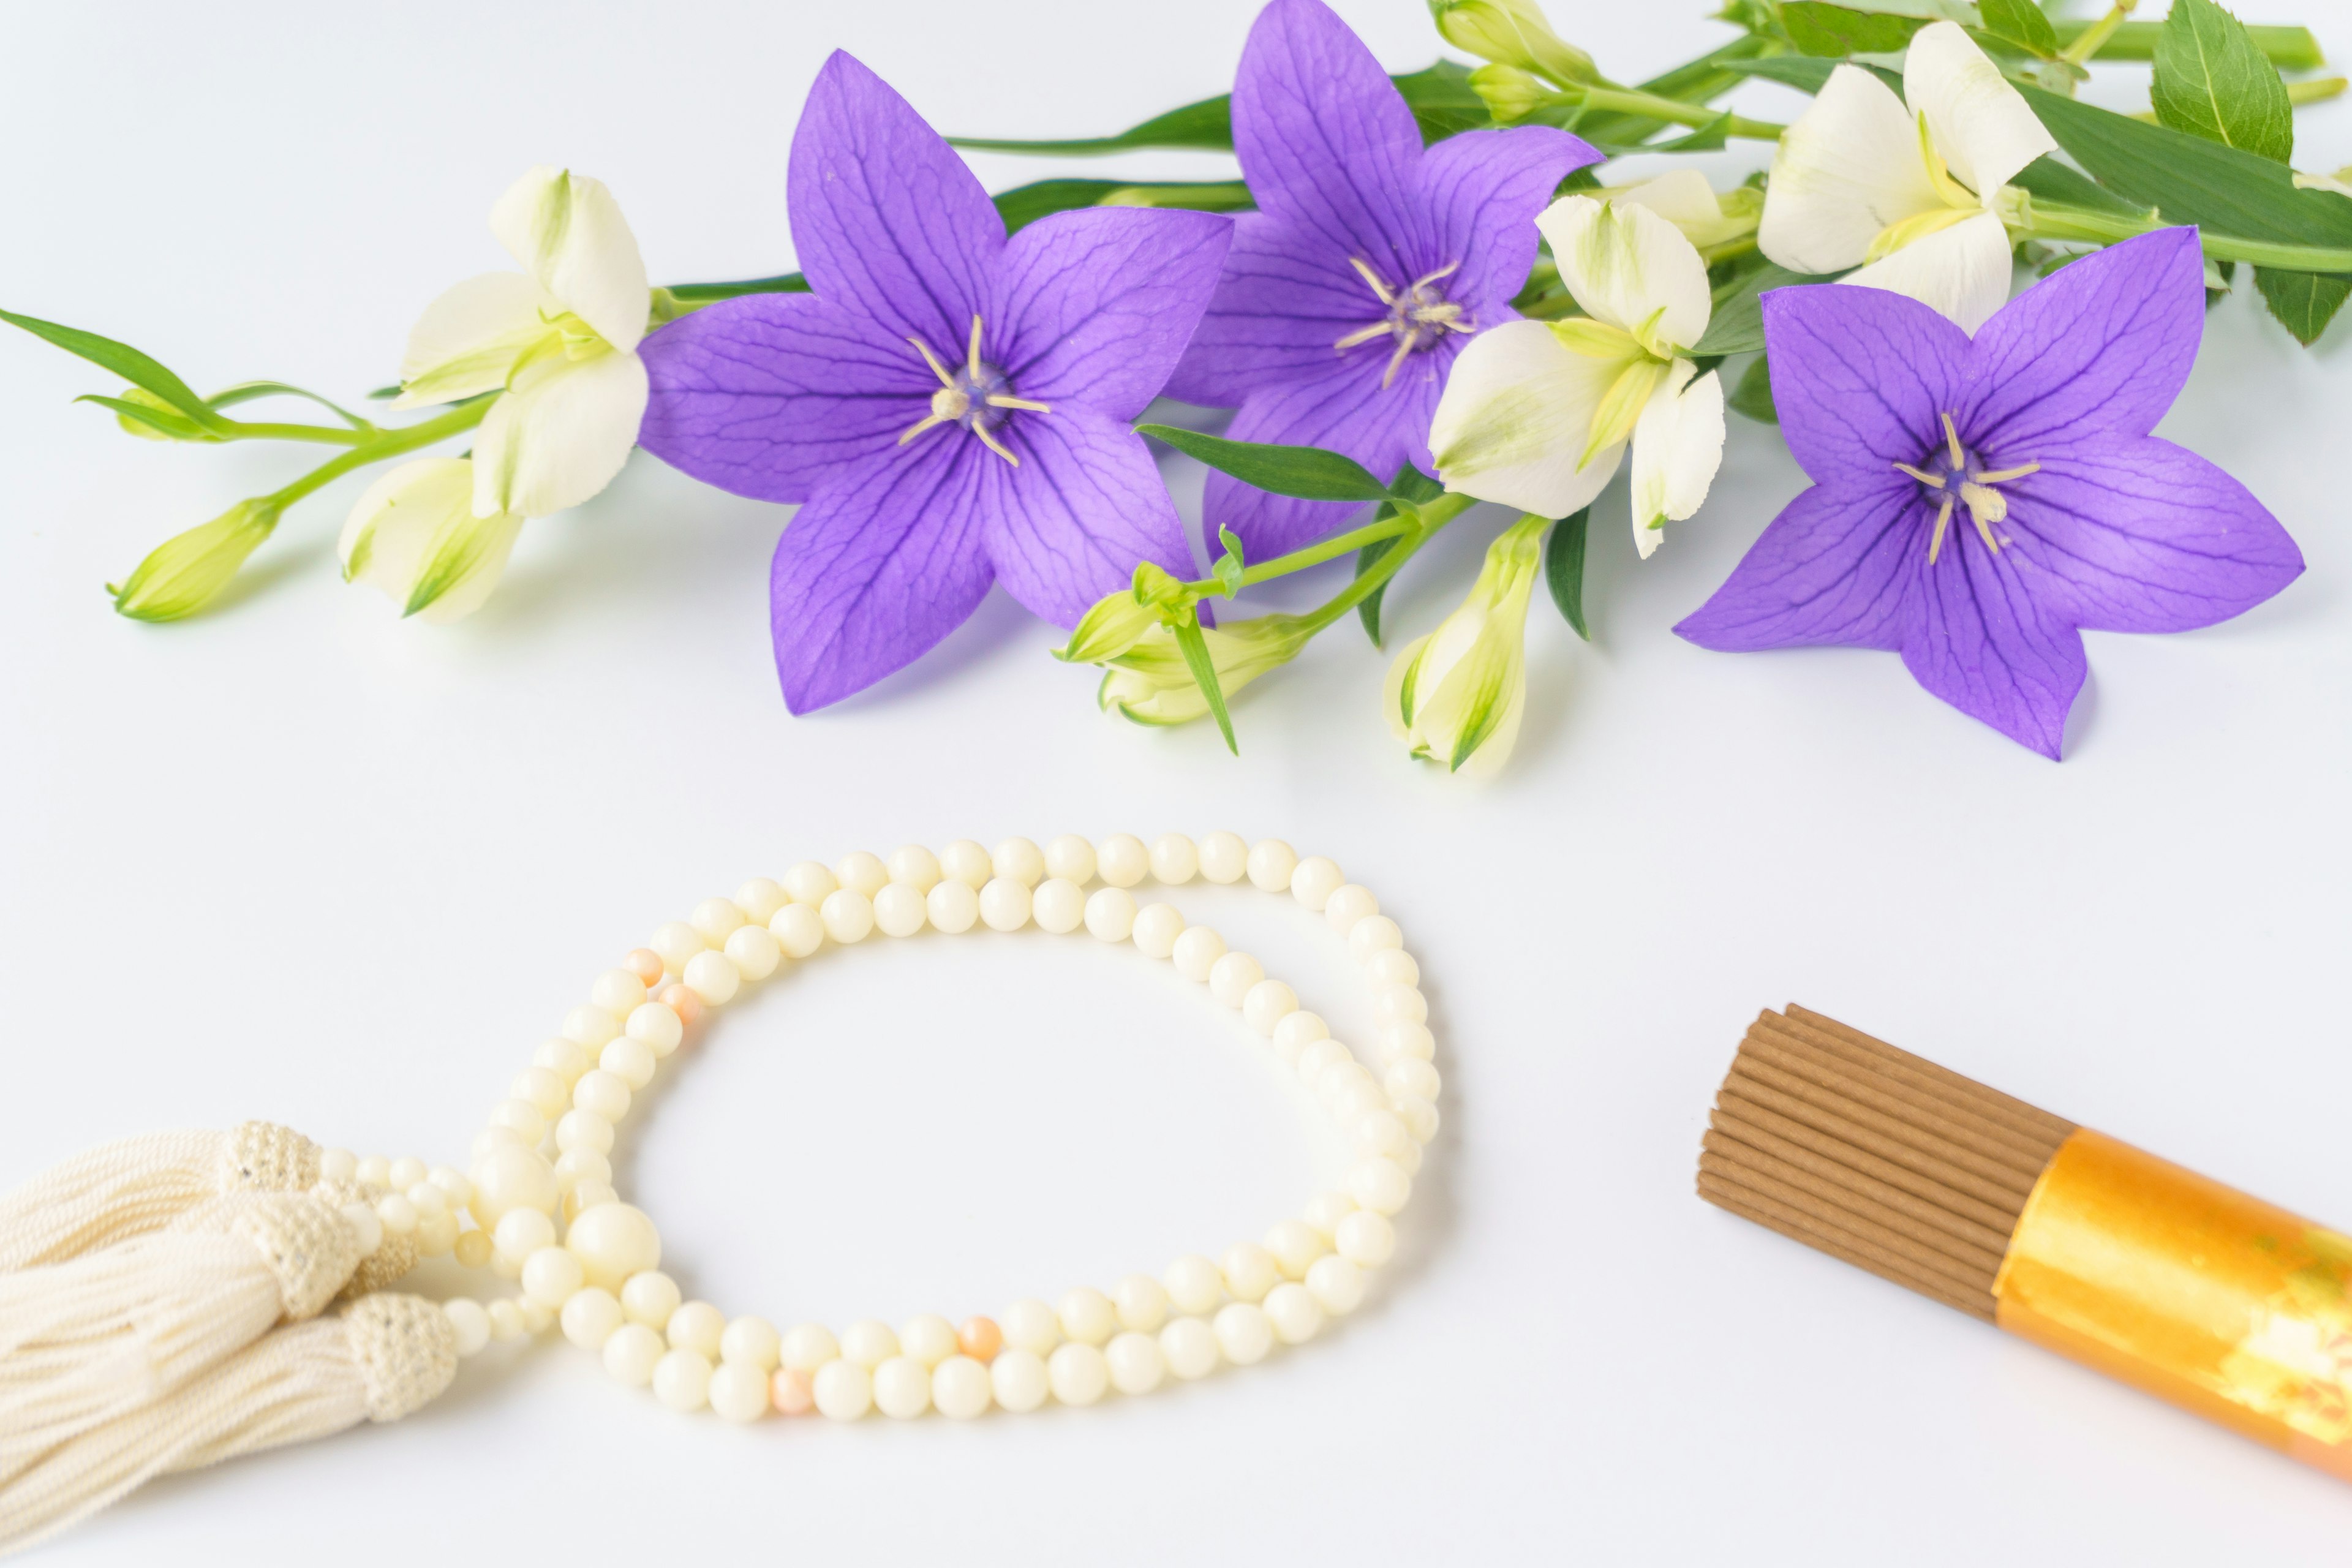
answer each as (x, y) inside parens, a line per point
(1086, 504)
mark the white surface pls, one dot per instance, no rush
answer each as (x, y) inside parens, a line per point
(302, 861)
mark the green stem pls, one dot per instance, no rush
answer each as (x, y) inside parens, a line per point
(2289, 48)
(2319, 90)
(1626, 100)
(704, 293)
(385, 444)
(2095, 37)
(2053, 220)
(1418, 532)
(327, 435)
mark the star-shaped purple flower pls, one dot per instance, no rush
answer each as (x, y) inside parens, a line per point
(951, 407)
(1975, 503)
(1369, 263)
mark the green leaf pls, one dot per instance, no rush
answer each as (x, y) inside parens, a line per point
(1753, 395)
(125, 361)
(2046, 179)
(1708, 138)
(1737, 325)
(1834, 31)
(1440, 96)
(2211, 81)
(1443, 100)
(248, 391)
(2289, 48)
(1367, 608)
(1204, 676)
(2305, 303)
(1308, 473)
(163, 421)
(1024, 204)
(1564, 567)
(2022, 22)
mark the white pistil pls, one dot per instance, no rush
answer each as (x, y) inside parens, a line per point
(1415, 320)
(1960, 485)
(953, 404)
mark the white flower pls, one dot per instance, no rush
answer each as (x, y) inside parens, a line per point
(414, 535)
(1913, 186)
(1684, 198)
(1456, 696)
(1151, 682)
(561, 339)
(1537, 415)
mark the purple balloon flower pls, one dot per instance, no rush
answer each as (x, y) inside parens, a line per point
(1975, 503)
(1369, 261)
(951, 407)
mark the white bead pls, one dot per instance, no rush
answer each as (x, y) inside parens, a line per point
(1223, 857)
(913, 865)
(510, 1177)
(1188, 1346)
(507, 1320)
(960, 1388)
(1294, 1313)
(753, 1342)
(374, 1171)
(632, 1061)
(601, 1093)
(682, 1380)
(674, 944)
(552, 1275)
(592, 1317)
(585, 1131)
(585, 1195)
(1267, 1003)
(339, 1165)
(522, 1117)
(408, 1170)
(565, 1059)
(1409, 1078)
(901, 910)
(1173, 860)
(613, 1241)
(1297, 1031)
(713, 918)
(1018, 861)
(1157, 927)
(1406, 1037)
(868, 1343)
(1004, 904)
(844, 1390)
(1380, 1185)
(953, 907)
(1373, 934)
(495, 1136)
(1017, 1380)
(1134, 1362)
(1195, 1284)
(1296, 1244)
(1338, 1285)
(1400, 1005)
(760, 897)
(1325, 1210)
(471, 1323)
(902, 1387)
(1072, 858)
(630, 1352)
(1122, 861)
(1365, 1239)
(453, 1181)
(471, 1249)
(754, 952)
(861, 873)
(1383, 1132)
(739, 1392)
(545, 1091)
(1196, 952)
(1392, 966)
(810, 882)
(1031, 1326)
(1249, 1272)
(930, 1340)
(1140, 1301)
(1313, 881)
(1244, 1336)
(1110, 914)
(1271, 861)
(1078, 1374)
(649, 1296)
(590, 1026)
(848, 915)
(806, 1347)
(1419, 1116)
(1086, 1316)
(435, 1234)
(655, 1026)
(1057, 906)
(1232, 976)
(1318, 1058)
(1350, 906)
(521, 1231)
(696, 1326)
(968, 863)
(429, 1199)
(798, 929)
(396, 1215)
(714, 979)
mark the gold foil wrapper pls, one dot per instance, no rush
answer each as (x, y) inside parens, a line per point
(2213, 1300)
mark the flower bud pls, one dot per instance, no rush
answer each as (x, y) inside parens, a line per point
(180, 575)
(131, 426)
(414, 535)
(1456, 695)
(1511, 94)
(1512, 33)
(1151, 684)
(1119, 619)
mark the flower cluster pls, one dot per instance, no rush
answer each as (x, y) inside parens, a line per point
(1419, 293)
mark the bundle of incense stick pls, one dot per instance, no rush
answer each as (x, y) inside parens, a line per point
(2214, 1301)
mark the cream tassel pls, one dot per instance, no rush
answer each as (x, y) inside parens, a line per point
(137, 1186)
(386, 1356)
(94, 1338)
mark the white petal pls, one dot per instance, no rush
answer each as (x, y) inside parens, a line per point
(569, 233)
(1677, 447)
(1681, 196)
(1978, 120)
(491, 543)
(1849, 167)
(384, 541)
(1625, 264)
(1962, 272)
(1516, 416)
(559, 434)
(469, 339)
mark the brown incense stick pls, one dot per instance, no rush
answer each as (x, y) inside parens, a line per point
(1875, 1156)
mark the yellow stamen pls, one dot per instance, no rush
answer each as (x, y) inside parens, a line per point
(1998, 475)
(1987, 507)
(989, 440)
(1933, 482)
(972, 359)
(921, 426)
(1952, 434)
(1428, 277)
(933, 359)
(1364, 269)
(1364, 335)
(1404, 346)
(1000, 400)
(1943, 518)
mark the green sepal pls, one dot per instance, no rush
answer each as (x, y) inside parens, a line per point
(157, 422)
(1307, 473)
(1564, 567)
(1753, 395)
(1736, 327)
(1227, 568)
(137, 368)
(2211, 81)
(1204, 674)
(2303, 302)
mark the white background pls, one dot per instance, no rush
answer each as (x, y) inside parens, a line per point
(299, 860)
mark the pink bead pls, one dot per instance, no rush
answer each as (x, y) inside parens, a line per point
(791, 1391)
(645, 964)
(684, 1003)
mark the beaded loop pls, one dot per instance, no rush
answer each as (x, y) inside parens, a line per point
(545, 1154)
